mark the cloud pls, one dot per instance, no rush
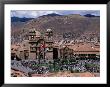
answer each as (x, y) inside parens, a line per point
(35, 14)
(31, 14)
(82, 12)
(94, 12)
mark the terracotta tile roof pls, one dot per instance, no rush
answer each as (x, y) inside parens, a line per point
(15, 46)
(84, 47)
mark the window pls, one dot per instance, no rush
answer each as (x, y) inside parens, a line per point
(32, 37)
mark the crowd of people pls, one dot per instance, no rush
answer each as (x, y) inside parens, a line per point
(33, 66)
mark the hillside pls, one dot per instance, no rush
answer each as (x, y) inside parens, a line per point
(64, 26)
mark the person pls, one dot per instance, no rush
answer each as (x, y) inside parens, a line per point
(15, 58)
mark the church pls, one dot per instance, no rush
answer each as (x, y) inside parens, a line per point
(42, 47)
(37, 46)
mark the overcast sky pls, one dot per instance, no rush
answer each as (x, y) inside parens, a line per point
(35, 14)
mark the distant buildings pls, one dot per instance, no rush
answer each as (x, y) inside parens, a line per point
(41, 46)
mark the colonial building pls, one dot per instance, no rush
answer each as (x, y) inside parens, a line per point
(20, 51)
(41, 46)
(37, 46)
(86, 51)
(81, 51)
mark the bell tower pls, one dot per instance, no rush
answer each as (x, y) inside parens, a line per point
(32, 44)
(49, 44)
(34, 37)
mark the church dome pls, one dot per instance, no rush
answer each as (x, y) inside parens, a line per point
(49, 30)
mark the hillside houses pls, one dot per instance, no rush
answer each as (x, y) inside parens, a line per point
(41, 46)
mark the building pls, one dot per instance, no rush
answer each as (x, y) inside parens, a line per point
(41, 46)
(85, 51)
(49, 44)
(20, 51)
(37, 46)
(34, 44)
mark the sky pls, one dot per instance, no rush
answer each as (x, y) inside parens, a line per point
(35, 14)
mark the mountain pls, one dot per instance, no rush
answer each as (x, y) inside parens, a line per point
(17, 24)
(63, 26)
(90, 15)
(17, 19)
